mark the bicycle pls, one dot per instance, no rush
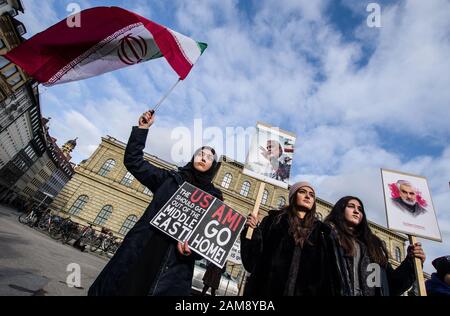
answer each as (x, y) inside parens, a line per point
(65, 231)
(86, 237)
(31, 217)
(104, 242)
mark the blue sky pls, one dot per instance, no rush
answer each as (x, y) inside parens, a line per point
(358, 98)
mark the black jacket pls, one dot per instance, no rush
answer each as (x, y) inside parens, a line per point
(147, 262)
(322, 268)
(393, 282)
(268, 256)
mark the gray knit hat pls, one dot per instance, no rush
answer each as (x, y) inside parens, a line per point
(294, 188)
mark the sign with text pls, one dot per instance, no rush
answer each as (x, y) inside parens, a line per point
(235, 253)
(209, 225)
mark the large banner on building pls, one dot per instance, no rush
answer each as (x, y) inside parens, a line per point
(409, 208)
(270, 155)
(209, 225)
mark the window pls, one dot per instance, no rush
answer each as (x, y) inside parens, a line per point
(21, 29)
(107, 167)
(9, 71)
(30, 152)
(398, 254)
(265, 197)
(245, 189)
(128, 224)
(103, 216)
(127, 179)
(3, 61)
(78, 205)
(227, 180)
(147, 191)
(36, 183)
(13, 80)
(281, 202)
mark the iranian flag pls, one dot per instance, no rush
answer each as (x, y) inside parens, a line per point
(108, 38)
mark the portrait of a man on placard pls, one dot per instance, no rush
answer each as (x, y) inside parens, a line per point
(277, 163)
(407, 198)
(270, 155)
(409, 206)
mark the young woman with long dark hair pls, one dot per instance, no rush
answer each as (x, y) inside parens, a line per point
(362, 258)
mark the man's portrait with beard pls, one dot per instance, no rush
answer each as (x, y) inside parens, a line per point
(407, 201)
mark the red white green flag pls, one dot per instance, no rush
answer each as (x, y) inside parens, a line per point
(108, 38)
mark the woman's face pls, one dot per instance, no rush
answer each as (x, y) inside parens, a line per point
(305, 198)
(203, 160)
(353, 213)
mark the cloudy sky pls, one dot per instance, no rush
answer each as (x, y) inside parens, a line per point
(358, 98)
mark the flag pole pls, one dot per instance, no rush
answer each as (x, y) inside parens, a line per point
(164, 96)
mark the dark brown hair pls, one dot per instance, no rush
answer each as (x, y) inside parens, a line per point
(299, 228)
(362, 232)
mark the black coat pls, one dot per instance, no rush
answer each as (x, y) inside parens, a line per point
(322, 268)
(393, 282)
(147, 262)
(268, 256)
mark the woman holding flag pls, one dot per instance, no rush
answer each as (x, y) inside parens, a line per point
(148, 261)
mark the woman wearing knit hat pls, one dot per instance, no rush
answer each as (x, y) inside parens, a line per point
(291, 252)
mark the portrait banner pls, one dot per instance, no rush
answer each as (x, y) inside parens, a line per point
(409, 207)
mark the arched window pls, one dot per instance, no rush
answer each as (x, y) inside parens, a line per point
(147, 191)
(245, 189)
(281, 202)
(78, 205)
(227, 180)
(103, 215)
(127, 179)
(107, 167)
(128, 224)
(265, 197)
(398, 254)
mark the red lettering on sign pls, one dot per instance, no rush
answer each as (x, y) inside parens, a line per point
(231, 218)
(199, 195)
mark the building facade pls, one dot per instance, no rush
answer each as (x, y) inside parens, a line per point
(33, 169)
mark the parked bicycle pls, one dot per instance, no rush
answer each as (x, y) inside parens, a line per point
(31, 217)
(106, 242)
(86, 237)
(49, 222)
(65, 231)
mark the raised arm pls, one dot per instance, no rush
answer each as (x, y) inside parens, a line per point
(145, 172)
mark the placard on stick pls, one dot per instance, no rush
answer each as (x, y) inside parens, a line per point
(209, 225)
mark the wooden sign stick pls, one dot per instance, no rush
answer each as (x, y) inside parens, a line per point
(419, 270)
(256, 207)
